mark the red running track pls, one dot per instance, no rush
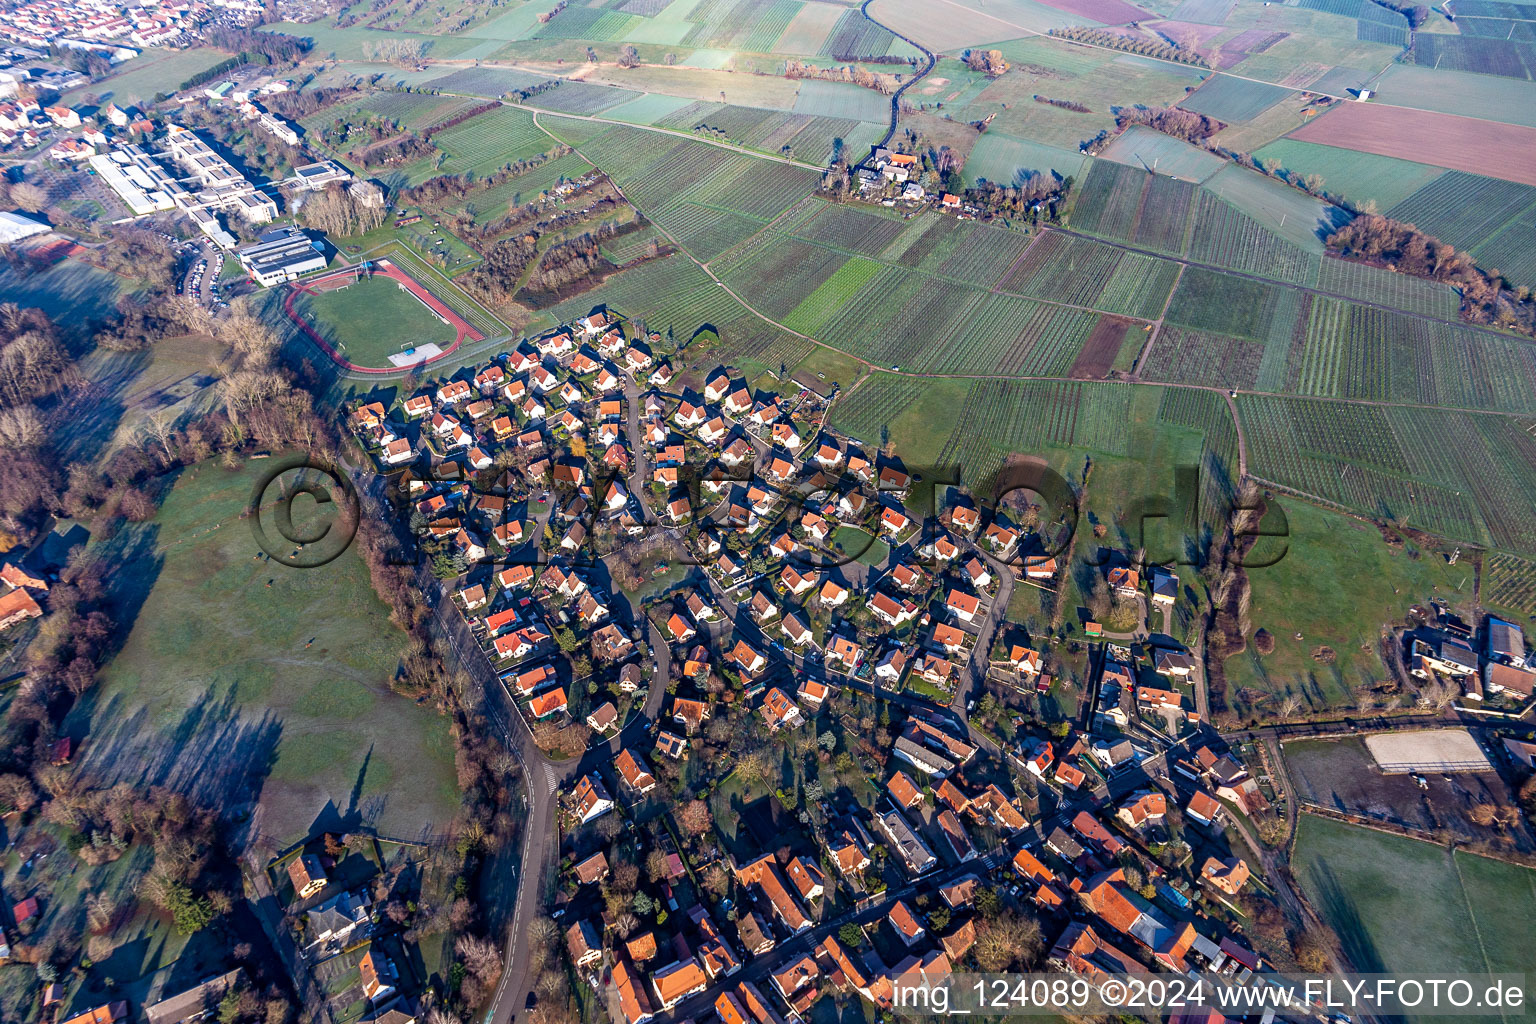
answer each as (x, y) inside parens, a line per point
(463, 331)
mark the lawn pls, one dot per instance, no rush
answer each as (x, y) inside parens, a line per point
(1287, 599)
(859, 545)
(1461, 913)
(254, 687)
(368, 321)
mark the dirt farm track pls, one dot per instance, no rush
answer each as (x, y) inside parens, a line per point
(1460, 143)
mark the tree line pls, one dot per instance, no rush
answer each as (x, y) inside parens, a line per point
(1486, 297)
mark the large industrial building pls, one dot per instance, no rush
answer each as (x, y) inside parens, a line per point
(282, 255)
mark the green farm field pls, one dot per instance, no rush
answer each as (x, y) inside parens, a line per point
(153, 71)
(1461, 914)
(1234, 99)
(1357, 177)
(355, 42)
(260, 688)
(370, 320)
(1142, 147)
(1004, 159)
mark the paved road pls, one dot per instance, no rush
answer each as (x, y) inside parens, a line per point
(928, 62)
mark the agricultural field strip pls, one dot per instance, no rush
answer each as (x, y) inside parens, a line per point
(1186, 261)
(996, 287)
(689, 136)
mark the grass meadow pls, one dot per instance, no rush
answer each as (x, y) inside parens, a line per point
(153, 71)
(1407, 906)
(1301, 593)
(257, 687)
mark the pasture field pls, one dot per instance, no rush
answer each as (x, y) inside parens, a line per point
(253, 686)
(1459, 915)
(823, 367)
(1274, 123)
(154, 71)
(174, 378)
(1353, 175)
(1098, 79)
(912, 412)
(646, 109)
(1446, 140)
(1234, 99)
(704, 85)
(1203, 12)
(1458, 92)
(1371, 459)
(943, 26)
(1004, 159)
(1226, 236)
(1313, 42)
(1139, 146)
(368, 321)
(354, 43)
(1278, 208)
(73, 294)
(1285, 600)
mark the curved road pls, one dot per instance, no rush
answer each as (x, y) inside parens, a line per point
(928, 56)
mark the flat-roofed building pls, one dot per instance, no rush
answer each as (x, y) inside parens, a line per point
(282, 255)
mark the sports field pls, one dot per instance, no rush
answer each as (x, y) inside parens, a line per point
(1407, 906)
(368, 321)
(255, 686)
